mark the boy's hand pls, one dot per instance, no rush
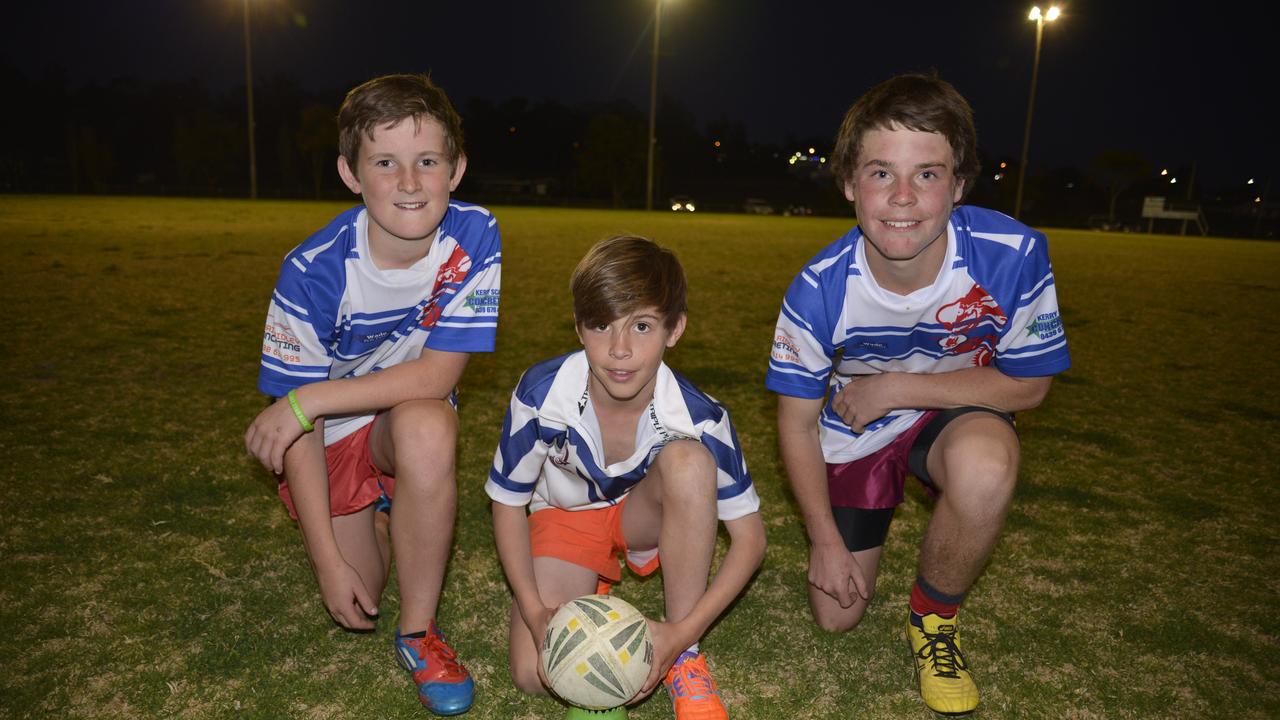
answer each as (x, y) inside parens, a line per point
(345, 597)
(537, 625)
(272, 433)
(668, 643)
(834, 571)
(865, 399)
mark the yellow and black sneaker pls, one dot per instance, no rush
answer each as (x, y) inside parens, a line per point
(945, 682)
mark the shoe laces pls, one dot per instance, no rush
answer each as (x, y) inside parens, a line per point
(435, 646)
(942, 652)
(691, 680)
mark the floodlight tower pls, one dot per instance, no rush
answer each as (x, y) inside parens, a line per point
(653, 105)
(1041, 18)
(248, 84)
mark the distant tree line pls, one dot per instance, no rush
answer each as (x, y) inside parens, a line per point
(127, 137)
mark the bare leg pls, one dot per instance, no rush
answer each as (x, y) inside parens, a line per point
(559, 581)
(415, 443)
(674, 509)
(358, 543)
(975, 464)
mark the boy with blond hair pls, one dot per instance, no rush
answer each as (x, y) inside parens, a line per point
(905, 346)
(607, 452)
(368, 331)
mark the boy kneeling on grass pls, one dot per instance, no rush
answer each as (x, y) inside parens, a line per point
(904, 347)
(613, 453)
(367, 335)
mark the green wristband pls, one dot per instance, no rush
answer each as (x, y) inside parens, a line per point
(297, 412)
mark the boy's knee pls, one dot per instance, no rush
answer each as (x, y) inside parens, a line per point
(985, 474)
(525, 677)
(433, 422)
(839, 620)
(983, 462)
(691, 462)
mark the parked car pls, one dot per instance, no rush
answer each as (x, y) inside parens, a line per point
(756, 206)
(797, 210)
(683, 203)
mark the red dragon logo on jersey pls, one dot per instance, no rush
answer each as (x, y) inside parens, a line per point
(452, 271)
(973, 322)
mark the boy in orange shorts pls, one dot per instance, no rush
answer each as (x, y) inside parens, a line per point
(605, 452)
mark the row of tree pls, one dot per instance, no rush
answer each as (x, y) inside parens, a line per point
(185, 139)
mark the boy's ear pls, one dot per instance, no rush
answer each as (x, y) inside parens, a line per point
(677, 330)
(959, 191)
(459, 168)
(848, 190)
(349, 177)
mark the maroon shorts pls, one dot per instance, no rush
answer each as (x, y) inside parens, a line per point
(876, 481)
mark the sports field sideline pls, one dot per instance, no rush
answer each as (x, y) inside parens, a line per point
(149, 571)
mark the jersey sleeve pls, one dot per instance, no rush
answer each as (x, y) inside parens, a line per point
(1035, 343)
(298, 333)
(735, 494)
(800, 361)
(469, 321)
(517, 463)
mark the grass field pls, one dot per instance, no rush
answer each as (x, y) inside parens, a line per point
(147, 569)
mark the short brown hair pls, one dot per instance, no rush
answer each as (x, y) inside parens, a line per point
(924, 103)
(623, 274)
(386, 101)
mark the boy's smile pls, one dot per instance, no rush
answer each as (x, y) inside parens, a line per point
(403, 173)
(903, 190)
(624, 355)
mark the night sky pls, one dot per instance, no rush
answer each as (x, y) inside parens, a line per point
(1178, 86)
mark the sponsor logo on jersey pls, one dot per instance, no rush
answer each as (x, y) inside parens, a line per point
(483, 301)
(280, 343)
(973, 322)
(1045, 326)
(785, 348)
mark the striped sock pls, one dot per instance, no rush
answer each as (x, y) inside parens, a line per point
(926, 599)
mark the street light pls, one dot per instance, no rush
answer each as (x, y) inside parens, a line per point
(248, 84)
(653, 106)
(1040, 18)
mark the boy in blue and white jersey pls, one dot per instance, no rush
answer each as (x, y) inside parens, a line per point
(605, 452)
(367, 334)
(905, 347)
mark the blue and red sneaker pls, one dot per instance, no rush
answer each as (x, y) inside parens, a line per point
(444, 685)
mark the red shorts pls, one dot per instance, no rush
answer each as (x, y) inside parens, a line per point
(875, 482)
(354, 480)
(589, 538)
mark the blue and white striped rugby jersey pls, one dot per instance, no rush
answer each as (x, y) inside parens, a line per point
(993, 303)
(551, 453)
(334, 314)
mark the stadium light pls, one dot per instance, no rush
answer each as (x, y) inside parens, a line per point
(248, 84)
(1040, 19)
(653, 105)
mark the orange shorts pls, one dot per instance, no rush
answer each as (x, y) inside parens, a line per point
(590, 538)
(354, 480)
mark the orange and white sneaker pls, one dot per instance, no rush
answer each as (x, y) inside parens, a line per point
(693, 692)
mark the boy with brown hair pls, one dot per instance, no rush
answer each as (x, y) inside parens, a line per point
(606, 452)
(905, 347)
(368, 331)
